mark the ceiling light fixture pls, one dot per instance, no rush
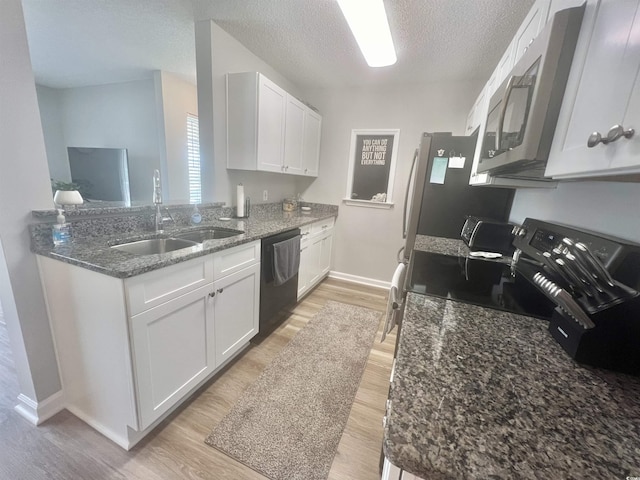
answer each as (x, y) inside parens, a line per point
(369, 25)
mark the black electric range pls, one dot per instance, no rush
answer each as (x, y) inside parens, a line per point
(488, 283)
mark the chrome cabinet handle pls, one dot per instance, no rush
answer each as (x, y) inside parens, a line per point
(618, 131)
(220, 290)
(614, 134)
(594, 139)
(212, 294)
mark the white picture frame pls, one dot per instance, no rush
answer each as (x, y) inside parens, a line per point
(372, 167)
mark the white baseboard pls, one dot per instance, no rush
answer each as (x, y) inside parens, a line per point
(38, 412)
(371, 282)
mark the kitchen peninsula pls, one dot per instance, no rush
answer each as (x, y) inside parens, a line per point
(137, 334)
(482, 393)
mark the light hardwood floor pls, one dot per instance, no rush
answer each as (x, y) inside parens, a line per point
(66, 448)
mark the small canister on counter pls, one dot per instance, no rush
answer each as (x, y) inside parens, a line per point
(289, 205)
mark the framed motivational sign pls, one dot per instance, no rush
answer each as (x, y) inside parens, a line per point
(372, 161)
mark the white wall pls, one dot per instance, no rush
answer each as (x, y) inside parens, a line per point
(218, 53)
(50, 103)
(366, 240)
(24, 186)
(118, 115)
(607, 207)
(175, 98)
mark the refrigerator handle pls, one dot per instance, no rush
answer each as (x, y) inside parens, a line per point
(406, 196)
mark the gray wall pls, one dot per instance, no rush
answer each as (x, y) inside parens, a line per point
(24, 186)
(117, 115)
(608, 207)
(366, 240)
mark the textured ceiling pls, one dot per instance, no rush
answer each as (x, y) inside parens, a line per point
(85, 42)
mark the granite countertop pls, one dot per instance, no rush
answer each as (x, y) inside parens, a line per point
(481, 393)
(94, 253)
(448, 246)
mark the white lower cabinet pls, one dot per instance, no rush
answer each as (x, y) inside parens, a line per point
(315, 254)
(236, 311)
(173, 351)
(132, 350)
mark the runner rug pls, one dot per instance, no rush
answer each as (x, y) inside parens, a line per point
(288, 423)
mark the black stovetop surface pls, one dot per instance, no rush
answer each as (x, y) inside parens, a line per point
(488, 283)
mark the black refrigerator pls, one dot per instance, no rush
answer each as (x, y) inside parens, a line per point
(439, 197)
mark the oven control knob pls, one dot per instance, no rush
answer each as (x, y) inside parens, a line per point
(522, 232)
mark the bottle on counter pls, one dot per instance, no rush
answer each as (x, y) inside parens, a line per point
(196, 216)
(61, 230)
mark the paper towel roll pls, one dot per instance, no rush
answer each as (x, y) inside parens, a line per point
(240, 201)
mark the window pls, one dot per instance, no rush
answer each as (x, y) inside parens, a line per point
(372, 163)
(193, 159)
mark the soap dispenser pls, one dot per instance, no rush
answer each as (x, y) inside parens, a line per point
(196, 217)
(61, 230)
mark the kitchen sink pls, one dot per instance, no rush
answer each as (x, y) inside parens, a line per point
(155, 245)
(200, 236)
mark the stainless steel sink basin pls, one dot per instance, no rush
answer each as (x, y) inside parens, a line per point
(155, 245)
(200, 236)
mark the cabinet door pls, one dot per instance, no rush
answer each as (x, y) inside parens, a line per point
(315, 251)
(532, 25)
(475, 115)
(325, 254)
(311, 143)
(599, 91)
(271, 121)
(627, 151)
(503, 69)
(237, 309)
(304, 273)
(293, 137)
(173, 351)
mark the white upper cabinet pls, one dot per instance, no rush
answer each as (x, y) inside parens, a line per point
(533, 23)
(294, 136)
(474, 119)
(311, 143)
(272, 104)
(603, 92)
(268, 129)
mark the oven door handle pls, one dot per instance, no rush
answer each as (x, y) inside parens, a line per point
(395, 301)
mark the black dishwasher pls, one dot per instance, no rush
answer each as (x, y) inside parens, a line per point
(274, 299)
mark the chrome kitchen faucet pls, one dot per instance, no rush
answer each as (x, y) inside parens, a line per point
(157, 200)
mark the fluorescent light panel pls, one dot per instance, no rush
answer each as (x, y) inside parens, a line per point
(369, 25)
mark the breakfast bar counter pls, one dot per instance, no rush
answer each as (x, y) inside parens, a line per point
(481, 393)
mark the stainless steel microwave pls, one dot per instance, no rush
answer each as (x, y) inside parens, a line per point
(523, 112)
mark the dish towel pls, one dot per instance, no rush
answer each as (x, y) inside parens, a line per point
(286, 260)
(394, 303)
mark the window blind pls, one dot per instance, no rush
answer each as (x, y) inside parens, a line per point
(193, 159)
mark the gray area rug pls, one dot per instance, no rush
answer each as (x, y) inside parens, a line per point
(288, 423)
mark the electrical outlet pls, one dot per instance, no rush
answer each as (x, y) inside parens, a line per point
(265, 195)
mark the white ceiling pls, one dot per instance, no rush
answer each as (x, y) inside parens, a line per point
(89, 42)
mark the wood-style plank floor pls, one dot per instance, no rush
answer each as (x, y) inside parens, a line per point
(66, 448)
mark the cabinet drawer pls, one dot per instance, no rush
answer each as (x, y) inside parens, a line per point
(305, 233)
(235, 259)
(322, 225)
(154, 288)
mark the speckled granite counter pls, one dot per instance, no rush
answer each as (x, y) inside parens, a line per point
(94, 252)
(445, 246)
(481, 393)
